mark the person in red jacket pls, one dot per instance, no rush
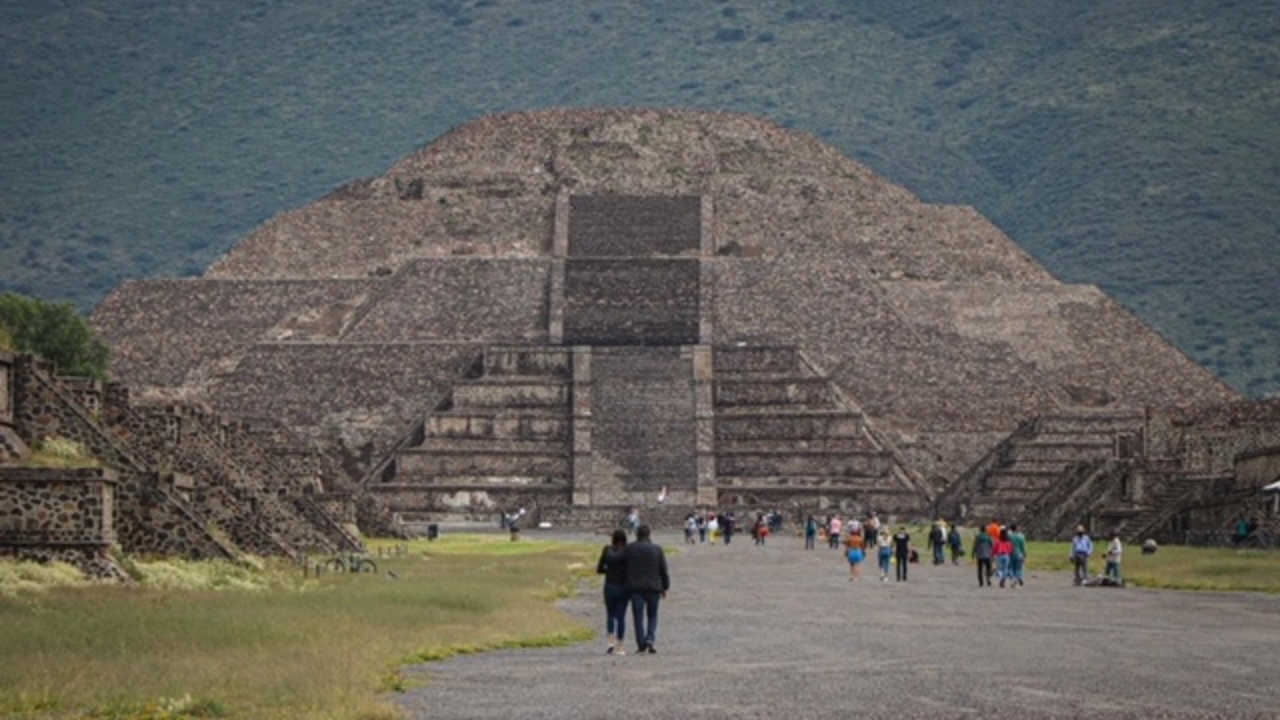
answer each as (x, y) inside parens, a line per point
(1003, 550)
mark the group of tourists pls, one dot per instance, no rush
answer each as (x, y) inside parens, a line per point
(636, 573)
(1000, 552)
(701, 527)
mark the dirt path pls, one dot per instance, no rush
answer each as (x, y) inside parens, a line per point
(779, 632)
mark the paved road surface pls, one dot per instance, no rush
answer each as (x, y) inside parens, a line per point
(779, 632)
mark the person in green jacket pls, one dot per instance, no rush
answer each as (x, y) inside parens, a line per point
(983, 551)
(1018, 560)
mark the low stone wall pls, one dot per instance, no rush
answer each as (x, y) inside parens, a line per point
(60, 515)
(54, 507)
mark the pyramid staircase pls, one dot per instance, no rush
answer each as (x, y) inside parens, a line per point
(498, 440)
(1042, 453)
(784, 433)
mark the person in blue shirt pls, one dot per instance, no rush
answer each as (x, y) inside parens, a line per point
(1081, 549)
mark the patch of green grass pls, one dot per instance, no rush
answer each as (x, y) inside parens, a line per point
(1175, 567)
(289, 648)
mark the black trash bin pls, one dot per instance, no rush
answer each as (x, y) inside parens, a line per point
(433, 531)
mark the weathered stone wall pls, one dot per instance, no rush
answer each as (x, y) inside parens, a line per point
(6, 387)
(1258, 468)
(206, 325)
(354, 399)
(50, 507)
(150, 518)
(11, 445)
(634, 226)
(643, 438)
(460, 300)
(631, 302)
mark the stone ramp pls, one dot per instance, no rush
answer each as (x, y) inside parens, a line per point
(751, 632)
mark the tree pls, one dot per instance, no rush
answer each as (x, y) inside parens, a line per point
(54, 331)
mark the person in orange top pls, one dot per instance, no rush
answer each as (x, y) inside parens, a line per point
(994, 530)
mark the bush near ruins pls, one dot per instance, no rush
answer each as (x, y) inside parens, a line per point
(55, 331)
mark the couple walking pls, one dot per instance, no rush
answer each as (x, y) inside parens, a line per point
(634, 574)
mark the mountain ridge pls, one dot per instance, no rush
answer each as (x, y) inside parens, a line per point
(1126, 146)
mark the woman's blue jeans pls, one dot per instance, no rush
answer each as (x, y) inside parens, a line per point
(616, 598)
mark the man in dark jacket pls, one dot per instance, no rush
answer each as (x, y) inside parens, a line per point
(648, 582)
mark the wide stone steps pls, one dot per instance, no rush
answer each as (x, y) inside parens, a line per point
(784, 361)
(798, 424)
(510, 393)
(471, 482)
(775, 445)
(810, 483)
(805, 462)
(526, 424)
(774, 392)
(527, 362)
(488, 462)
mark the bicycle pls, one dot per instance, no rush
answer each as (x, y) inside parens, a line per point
(351, 562)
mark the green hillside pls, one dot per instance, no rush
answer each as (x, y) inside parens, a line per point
(1128, 144)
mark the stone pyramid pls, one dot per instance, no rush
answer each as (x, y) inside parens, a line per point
(578, 309)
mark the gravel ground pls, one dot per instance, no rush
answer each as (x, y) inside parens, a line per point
(751, 632)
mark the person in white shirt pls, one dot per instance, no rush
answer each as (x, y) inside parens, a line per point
(1114, 550)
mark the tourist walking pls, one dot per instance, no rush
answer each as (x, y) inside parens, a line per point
(938, 541)
(1018, 560)
(854, 551)
(613, 565)
(760, 531)
(727, 523)
(690, 528)
(884, 552)
(956, 542)
(833, 531)
(872, 532)
(1002, 550)
(702, 528)
(983, 550)
(1114, 550)
(810, 533)
(647, 583)
(902, 552)
(1081, 549)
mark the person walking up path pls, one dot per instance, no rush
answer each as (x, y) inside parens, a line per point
(1018, 560)
(983, 550)
(902, 552)
(647, 583)
(1002, 550)
(613, 565)
(884, 552)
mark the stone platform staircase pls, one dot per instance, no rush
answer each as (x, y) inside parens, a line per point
(499, 440)
(784, 434)
(1039, 456)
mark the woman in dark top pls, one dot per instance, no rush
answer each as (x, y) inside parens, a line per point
(613, 566)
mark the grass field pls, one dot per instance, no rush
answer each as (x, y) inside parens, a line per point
(276, 645)
(1174, 566)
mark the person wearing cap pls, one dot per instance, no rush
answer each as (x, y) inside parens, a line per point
(1114, 550)
(1081, 549)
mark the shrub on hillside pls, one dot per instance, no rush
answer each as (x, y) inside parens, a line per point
(54, 331)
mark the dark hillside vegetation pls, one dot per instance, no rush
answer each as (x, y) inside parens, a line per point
(1126, 144)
